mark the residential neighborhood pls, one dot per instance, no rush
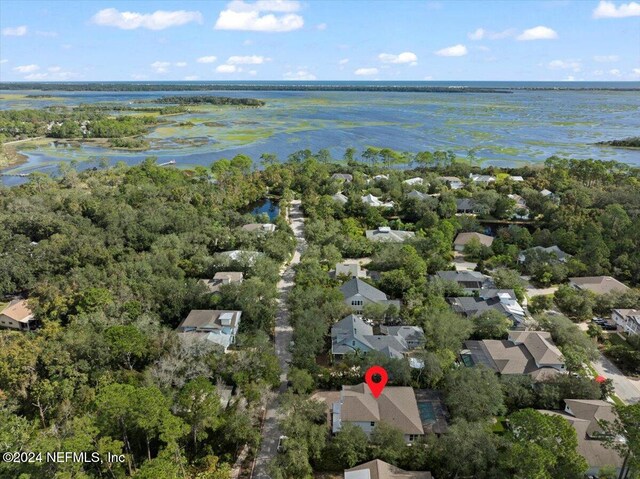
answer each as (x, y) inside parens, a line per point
(489, 330)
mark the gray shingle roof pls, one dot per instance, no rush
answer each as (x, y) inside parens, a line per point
(357, 286)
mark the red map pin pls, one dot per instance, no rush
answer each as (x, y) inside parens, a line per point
(376, 386)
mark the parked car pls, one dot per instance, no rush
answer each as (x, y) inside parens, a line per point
(281, 444)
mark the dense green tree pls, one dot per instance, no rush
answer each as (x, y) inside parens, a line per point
(473, 394)
(543, 446)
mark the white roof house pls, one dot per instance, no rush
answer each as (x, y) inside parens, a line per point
(375, 202)
(340, 198)
(414, 181)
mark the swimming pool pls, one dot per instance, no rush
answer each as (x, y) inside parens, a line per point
(427, 413)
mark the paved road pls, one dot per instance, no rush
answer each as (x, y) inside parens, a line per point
(625, 389)
(283, 336)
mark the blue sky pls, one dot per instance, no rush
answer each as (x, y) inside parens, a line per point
(319, 40)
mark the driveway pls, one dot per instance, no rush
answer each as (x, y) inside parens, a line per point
(461, 264)
(283, 336)
(625, 388)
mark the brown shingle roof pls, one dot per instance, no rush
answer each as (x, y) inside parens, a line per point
(464, 238)
(599, 284)
(396, 406)
(592, 450)
(18, 310)
(592, 410)
(540, 345)
(381, 470)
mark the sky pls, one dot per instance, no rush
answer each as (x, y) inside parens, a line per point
(508, 40)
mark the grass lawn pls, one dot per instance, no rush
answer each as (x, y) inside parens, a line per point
(616, 340)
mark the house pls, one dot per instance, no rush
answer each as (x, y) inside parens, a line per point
(386, 234)
(260, 227)
(467, 206)
(347, 178)
(219, 327)
(249, 257)
(517, 179)
(525, 352)
(551, 251)
(412, 335)
(414, 181)
(628, 320)
(353, 334)
(464, 238)
(453, 182)
(220, 278)
(598, 284)
(340, 198)
(225, 393)
(375, 202)
(502, 300)
(396, 406)
(470, 281)
(351, 269)
(378, 469)
(380, 177)
(17, 315)
(417, 195)
(482, 179)
(585, 416)
(358, 293)
(522, 211)
(547, 194)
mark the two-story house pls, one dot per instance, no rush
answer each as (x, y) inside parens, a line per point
(358, 293)
(219, 327)
(396, 406)
(627, 320)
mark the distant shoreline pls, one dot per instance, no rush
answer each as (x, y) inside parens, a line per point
(400, 87)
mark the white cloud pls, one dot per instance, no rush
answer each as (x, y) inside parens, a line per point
(636, 71)
(191, 77)
(344, 61)
(247, 60)
(253, 72)
(15, 31)
(428, 77)
(366, 71)
(161, 67)
(574, 65)
(4, 60)
(158, 20)
(302, 75)
(615, 72)
(482, 34)
(258, 16)
(26, 68)
(609, 10)
(321, 26)
(606, 58)
(209, 59)
(36, 76)
(454, 51)
(55, 69)
(180, 64)
(226, 69)
(247, 42)
(538, 33)
(404, 57)
(570, 78)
